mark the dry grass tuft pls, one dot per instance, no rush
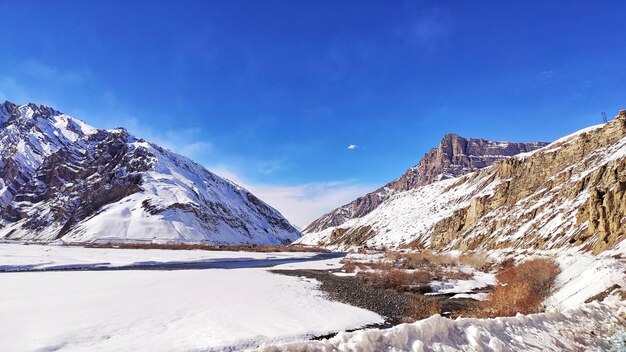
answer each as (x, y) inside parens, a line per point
(423, 307)
(398, 280)
(419, 260)
(521, 288)
(478, 261)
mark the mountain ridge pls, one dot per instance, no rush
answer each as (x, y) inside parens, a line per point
(455, 156)
(569, 194)
(61, 179)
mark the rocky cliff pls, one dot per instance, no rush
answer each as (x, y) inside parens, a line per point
(455, 156)
(568, 194)
(61, 179)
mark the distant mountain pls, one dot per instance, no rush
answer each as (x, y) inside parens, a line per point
(61, 179)
(571, 193)
(455, 156)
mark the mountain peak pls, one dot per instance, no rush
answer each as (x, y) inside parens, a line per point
(455, 156)
(570, 194)
(10, 110)
(61, 179)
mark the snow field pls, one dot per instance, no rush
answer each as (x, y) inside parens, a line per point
(164, 310)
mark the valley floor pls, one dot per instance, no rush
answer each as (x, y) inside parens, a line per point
(183, 310)
(239, 309)
(19, 257)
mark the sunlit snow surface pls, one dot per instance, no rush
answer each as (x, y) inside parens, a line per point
(595, 326)
(568, 325)
(15, 257)
(185, 310)
(178, 200)
(235, 309)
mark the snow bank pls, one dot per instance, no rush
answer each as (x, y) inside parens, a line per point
(165, 310)
(18, 257)
(328, 264)
(583, 276)
(599, 325)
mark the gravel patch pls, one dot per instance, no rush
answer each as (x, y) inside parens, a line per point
(393, 305)
(388, 303)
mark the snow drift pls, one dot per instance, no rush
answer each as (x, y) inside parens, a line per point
(594, 326)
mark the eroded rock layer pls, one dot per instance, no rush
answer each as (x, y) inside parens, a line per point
(455, 156)
(570, 193)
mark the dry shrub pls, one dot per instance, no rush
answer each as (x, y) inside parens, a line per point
(507, 263)
(394, 279)
(350, 266)
(423, 307)
(420, 260)
(508, 300)
(521, 288)
(478, 261)
(431, 257)
(379, 266)
(449, 274)
(540, 274)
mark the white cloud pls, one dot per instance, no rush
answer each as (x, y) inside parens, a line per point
(300, 204)
(352, 146)
(195, 148)
(42, 70)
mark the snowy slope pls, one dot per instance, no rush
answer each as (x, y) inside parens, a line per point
(591, 327)
(570, 193)
(406, 216)
(455, 156)
(62, 179)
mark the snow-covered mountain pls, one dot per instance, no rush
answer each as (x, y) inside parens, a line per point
(63, 179)
(570, 193)
(455, 156)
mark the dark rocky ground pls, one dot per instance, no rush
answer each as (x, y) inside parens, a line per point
(393, 305)
(346, 289)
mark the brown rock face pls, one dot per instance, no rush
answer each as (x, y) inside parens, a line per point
(58, 192)
(570, 194)
(455, 156)
(575, 191)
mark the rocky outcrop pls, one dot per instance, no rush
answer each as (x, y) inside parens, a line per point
(568, 194)
(61, 179)
(455, 156)
(113, 172)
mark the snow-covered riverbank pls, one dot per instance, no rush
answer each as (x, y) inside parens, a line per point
(162, 310)
(238, 309)
(18, 257)
(591, 327)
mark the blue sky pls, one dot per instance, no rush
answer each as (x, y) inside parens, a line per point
(272, 93)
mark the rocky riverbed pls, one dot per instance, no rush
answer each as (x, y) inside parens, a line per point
(393, 305)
